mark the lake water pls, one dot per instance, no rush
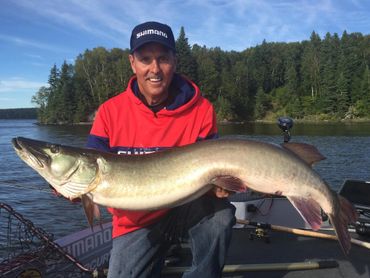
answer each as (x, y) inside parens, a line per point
(346, 146)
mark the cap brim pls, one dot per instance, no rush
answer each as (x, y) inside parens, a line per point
(146, 42)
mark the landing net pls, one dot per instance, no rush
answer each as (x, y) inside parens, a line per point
(29, 251)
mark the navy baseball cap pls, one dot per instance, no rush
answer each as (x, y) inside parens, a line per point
(152, 32)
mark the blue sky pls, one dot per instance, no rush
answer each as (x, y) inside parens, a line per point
(36, 34)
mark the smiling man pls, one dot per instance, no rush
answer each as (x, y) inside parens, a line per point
(161, 109)
(154, 66)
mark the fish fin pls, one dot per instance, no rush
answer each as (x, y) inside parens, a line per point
(309, 209)
(340, 219)
(72, 190)
(91, 210)
(309, 153)
(229, 183)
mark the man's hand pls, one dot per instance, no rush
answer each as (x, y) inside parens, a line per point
(219, 192)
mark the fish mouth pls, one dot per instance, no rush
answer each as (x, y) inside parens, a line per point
(33, 149)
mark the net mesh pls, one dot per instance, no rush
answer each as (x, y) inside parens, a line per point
(27, 248)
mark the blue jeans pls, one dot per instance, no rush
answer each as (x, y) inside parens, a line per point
(207, 222)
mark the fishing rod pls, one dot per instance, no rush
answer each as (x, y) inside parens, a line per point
(305, 265)
(300, 232)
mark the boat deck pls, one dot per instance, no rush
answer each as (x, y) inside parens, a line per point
(285, 248)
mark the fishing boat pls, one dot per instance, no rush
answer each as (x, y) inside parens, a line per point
(270, 239)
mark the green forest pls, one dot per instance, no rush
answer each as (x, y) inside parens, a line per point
(18, 113)
(316, 79)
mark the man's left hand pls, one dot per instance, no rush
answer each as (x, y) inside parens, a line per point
(219, 192)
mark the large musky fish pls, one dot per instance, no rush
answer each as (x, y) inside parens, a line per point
(173, 177)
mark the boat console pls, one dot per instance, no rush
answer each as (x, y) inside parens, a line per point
(358, 193)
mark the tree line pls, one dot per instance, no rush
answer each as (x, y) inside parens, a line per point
(317, 79)
(18, 113)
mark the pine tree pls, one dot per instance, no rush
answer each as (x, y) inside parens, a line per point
(63, 101)
(186, 63)
(343, 100)
(364, 104)
(41, 99)
(329, 54)
(263, 104)
(311, 66)
(51, 107)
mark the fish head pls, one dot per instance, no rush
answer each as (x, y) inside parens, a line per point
(60, 165)
(43, 156)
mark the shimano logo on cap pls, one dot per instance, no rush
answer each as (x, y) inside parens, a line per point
(151, 32)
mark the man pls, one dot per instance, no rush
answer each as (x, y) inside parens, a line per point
(161, 109)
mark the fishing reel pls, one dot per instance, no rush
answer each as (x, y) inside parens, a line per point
(285, 124)
(260, 232)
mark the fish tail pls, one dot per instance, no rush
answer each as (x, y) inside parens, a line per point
(344, 215)
(91, 210)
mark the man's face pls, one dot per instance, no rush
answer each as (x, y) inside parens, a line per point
(154, 66)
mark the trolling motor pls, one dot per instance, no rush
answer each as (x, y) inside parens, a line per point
(261, 229)
(285, 124)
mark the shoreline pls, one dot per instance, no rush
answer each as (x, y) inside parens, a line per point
(351, 121)
(305, 121)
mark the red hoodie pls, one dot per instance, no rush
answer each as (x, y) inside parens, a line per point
(125, 125)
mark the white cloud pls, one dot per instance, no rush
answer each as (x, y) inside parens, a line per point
(17, 84)
(30, 43)
(232, 24)
(33, 56)
(93, 17)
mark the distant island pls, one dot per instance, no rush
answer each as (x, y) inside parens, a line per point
(18, 113)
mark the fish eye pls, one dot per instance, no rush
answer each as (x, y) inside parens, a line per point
(54, 148)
